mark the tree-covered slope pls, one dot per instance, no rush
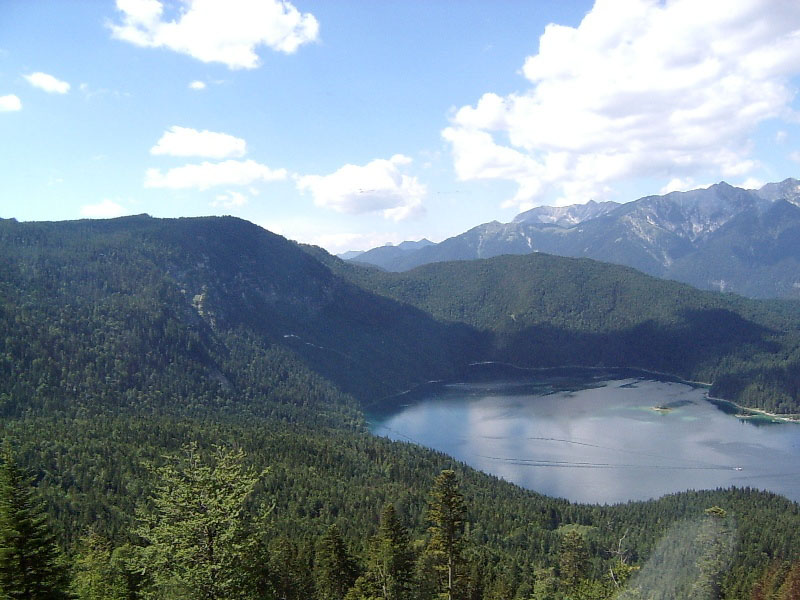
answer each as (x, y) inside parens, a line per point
(121, 340)
(160, 311)
(541, 310)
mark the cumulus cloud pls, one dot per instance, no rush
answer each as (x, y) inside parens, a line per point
(378, 186)
(641, 88)
(48, 83)
(10, 103)
(212, 31)
(197, 85)
(751, 183)
(229, 200)
(207, 174)
(184, 141)
(107, 209)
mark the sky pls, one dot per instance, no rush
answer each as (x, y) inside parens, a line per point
(352, 124)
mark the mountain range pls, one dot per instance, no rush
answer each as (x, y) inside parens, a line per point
(720, 238)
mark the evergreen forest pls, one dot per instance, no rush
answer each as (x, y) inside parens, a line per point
(181, 414)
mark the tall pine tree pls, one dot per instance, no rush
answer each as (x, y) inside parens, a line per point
(30, 566)
(335, 569)
(390, 563)
(447, 512)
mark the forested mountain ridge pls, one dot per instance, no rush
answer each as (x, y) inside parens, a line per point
(137, 296)
(538, 310)
(124, 339)
(721, 238)
(123, 298)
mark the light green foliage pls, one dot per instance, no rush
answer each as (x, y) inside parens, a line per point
(199, 538)
(100, 572)
(545, 586)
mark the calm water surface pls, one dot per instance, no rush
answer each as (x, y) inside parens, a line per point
(605, 444)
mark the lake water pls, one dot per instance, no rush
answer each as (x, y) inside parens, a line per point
(603, 444)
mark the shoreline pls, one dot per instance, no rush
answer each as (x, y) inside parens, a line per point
(745, 412)
(757, 412)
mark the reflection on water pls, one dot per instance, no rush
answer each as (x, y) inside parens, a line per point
(620, 440)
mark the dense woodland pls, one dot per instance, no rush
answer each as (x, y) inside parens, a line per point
(181, 409)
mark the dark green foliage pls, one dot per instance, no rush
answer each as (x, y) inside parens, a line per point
(573, 560)
(335, 569)
(447, 514)
(30, 567)
(290, 570)
(547, 311)
(390, 564)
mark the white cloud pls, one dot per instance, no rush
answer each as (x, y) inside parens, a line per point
(378, 186)
(48, 83)
(795, 156)
(184, 141)
(10, 103)
(229, 200)
(641, 88)
(107, 209)
(197, 85)
(780, 136)
(751, 183)
(213, 31)
(676, 184)
(207, 174)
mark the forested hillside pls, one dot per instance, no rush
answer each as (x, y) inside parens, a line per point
(162, 375)
(539, 310)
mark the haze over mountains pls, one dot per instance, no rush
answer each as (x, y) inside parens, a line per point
(720, 238)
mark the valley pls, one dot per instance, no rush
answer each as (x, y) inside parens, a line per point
(126, 339)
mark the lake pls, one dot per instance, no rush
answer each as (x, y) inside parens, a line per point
(597, 441)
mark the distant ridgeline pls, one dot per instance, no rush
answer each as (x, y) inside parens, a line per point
(719, 238)
(122, 339)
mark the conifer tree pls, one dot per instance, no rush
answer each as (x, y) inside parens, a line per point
(334, 569)
(390, 568)
(393, 559)
(447, 512)
(573, 560)
(30, 566)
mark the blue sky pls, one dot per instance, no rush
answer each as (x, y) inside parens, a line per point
(350, 124)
